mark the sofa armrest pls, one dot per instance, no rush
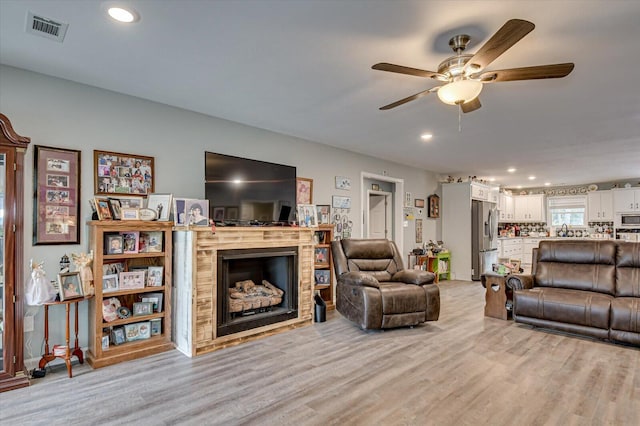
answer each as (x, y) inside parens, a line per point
(359, 278)
(519, 282)
(414, 276)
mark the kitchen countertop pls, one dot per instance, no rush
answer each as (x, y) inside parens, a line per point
(554, 238)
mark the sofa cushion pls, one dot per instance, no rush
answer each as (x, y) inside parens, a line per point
(376, 257)
(400, 298)
(577, 265)
(625, 314)
(628, 270)
(564, 305)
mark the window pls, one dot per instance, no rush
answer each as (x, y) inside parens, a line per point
(571, 211)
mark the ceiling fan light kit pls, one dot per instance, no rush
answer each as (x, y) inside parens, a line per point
(462, 73)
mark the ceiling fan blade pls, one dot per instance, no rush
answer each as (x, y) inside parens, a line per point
(471, 105)
(407, 99)
(384, 66)
(510, 33)
(526, 73)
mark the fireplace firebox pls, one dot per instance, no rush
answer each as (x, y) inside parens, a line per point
(256, 287)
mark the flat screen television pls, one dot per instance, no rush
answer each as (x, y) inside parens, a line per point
(242, 191)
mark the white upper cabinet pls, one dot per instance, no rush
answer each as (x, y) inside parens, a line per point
(505, 207)
(626, 200)
(480, 192)
(529, 208)
(600, 206)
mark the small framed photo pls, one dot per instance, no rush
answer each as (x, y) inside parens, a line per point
(103, 209)
(110, 267)
(69, 285)
(375, 187)
(131, 280)
(322, 276)
(307, 216)
(156, 326)
(150, 242)
(324, 214)
(340, 202)
(115, 207)
(321, 256)
(137, 331)
(132, 202)
(113, 244)
(118, 336)
(218, 214)
(197, 212)
(418, 202)
(154, 276)
(343, 183)
(156, 299)
(109, 283)
(128, 213)
(161, 204)
(105, 342)
(130, 242)
(304, 191)
(142, 308)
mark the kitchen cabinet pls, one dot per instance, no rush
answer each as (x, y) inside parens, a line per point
(600, 206)
(528, 245)
(510, 248)
(505, 207)
(529, 208)
(480, 192)
(626, 200)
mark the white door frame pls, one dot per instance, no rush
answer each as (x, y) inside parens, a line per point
(388, 212)
(398, 208)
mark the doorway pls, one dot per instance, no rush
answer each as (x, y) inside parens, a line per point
(380, 209)
(394, 209)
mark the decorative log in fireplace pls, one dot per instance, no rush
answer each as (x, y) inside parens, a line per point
(248, 298)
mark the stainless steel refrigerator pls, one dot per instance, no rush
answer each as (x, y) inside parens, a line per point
(484, 240)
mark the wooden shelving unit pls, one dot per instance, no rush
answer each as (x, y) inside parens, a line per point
(323, 265)
(98, 327)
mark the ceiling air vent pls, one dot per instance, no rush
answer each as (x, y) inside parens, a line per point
(46, 27)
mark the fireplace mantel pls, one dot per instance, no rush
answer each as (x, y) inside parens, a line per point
(195, 282)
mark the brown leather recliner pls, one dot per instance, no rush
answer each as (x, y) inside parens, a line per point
(374, 290)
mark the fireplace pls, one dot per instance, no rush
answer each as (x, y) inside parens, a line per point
(256, 287)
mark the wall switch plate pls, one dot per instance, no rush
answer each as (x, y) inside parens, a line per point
(28, 323)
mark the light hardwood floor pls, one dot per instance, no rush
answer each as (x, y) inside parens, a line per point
(464, 369)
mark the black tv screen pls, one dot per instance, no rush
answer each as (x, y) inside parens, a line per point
(243, 191)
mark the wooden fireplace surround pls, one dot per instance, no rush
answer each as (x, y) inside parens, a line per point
(195, 281)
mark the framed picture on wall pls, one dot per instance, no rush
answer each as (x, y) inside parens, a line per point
(434, 206)
(123, 174)
(56, 189)
(304, 191)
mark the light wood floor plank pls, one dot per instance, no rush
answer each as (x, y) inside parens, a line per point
(464, 369)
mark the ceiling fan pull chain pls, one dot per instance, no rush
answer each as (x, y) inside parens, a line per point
(460, 118)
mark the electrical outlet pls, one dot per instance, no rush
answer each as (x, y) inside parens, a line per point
(28, 323)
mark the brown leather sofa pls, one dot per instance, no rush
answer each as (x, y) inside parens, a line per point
(375, 291)
(585, 287)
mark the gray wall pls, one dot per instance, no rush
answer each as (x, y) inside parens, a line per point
(64, 114)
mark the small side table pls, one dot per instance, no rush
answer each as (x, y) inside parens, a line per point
(48, 355)
(497, 296)
(434, 265)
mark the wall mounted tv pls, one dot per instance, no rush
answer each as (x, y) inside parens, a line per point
(242, 191)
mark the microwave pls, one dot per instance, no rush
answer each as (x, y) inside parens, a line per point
(630, 220)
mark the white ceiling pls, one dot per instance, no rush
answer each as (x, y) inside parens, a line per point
(303, 68)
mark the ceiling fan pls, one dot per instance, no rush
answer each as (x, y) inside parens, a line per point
(464, 74)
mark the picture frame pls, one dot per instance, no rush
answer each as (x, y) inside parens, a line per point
(115, 206)
(150, 242)
(322, 276)
(142, 308)
(137, 331)
(218, 214)
(103, 208)
(434, 206)
(118, 173)
(161, 204)
(343, 182)
(196, 212)
(156, 299)
(231, 213)
(129, 213)
(118, 335)
(131, 280)
(375, 187)
(407, 199)
(56, 195)
(113, 244)
(321, 256)
(130, 241)
(418, 202)
(340, 202)
(105, 342)
(110, 267)
(304, 190)
(155, 276)
(110, 283)
(69, 286)
(307, 217)
(323, 212)
(131, 202)
(179, 215)
(156, 326)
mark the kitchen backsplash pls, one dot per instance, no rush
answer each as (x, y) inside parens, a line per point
(541, 229)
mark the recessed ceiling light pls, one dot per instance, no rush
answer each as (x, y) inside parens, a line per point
(519, 186)
(532, 178)
(547, 184)
(426, 136)
(511, 169)
(123, 15)
(492, 179)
